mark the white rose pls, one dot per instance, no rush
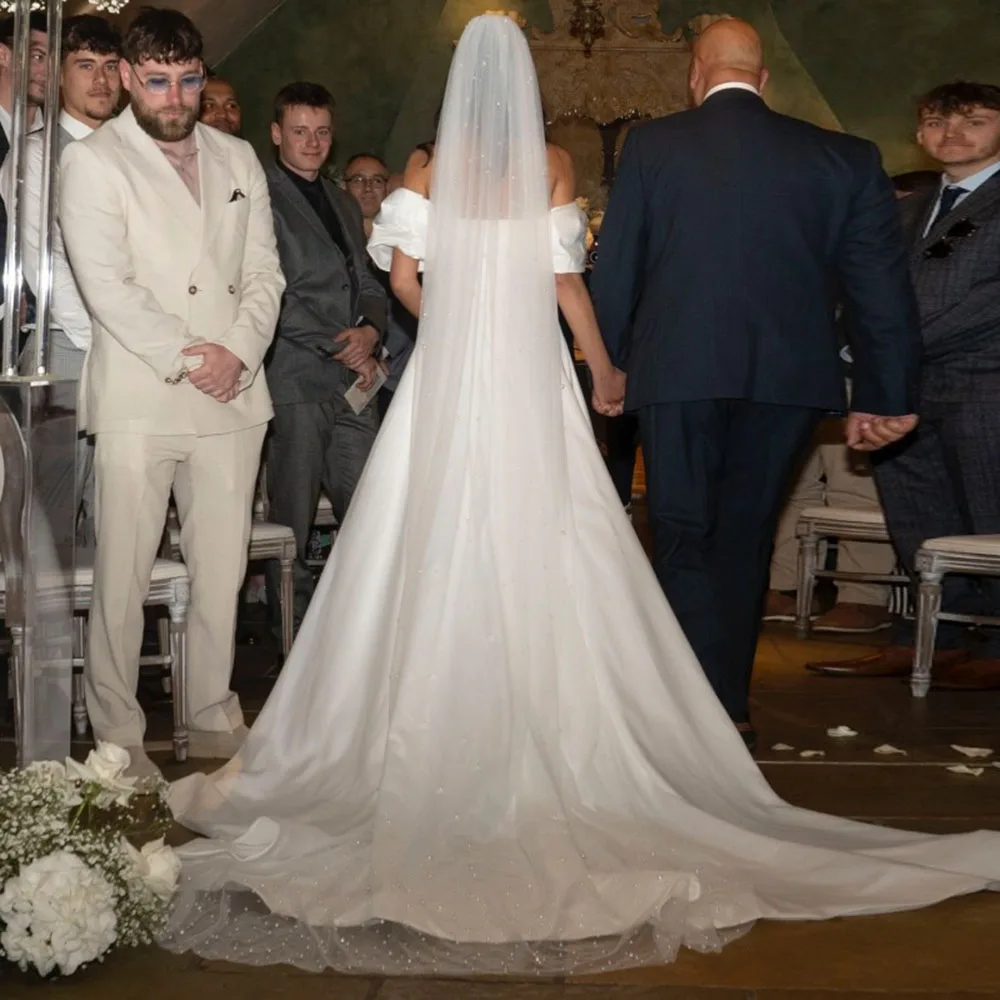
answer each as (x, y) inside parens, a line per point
(108, 761)
(163, 867)
(157, 865)
(105, 766)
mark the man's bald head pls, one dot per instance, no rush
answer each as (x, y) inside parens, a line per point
(727, 51)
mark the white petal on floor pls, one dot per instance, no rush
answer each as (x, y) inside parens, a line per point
(813, 753)
(887, 748)
(975, 772)
(841, 732)
(972, 751)
(782, 746)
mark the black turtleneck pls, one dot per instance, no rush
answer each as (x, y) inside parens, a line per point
(322, 206)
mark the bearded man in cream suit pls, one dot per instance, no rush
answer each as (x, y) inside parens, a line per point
(169, 231)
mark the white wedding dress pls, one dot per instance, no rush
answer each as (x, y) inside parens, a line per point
(491, 748)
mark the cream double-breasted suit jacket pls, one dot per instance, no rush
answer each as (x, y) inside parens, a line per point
(160, 274)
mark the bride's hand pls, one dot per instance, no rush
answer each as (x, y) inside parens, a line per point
(609, 393)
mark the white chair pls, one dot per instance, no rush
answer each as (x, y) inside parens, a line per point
(819, 524)
(170, 588)
(974, 555)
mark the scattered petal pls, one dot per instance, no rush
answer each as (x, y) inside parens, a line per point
(813, 753)
(782, 746)
(839, 732)
(965, 769)
(888, 748)
(972, 751)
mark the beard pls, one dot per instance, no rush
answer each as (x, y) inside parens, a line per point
(165, 131)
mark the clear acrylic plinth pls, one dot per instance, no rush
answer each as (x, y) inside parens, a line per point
(38, 508)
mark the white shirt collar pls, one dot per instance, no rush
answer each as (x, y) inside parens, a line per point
(732, 85)
(974, 181)
(75, 127)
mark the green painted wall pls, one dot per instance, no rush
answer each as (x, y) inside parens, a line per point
(857, 62)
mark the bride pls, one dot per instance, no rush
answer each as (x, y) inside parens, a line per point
(492, 749)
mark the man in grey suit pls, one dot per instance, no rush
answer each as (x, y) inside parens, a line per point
(945, 478)
(333, 315)
(90, 85)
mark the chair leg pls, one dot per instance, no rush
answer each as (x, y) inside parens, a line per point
(287, 605)
(806, 588)
(178, 607)
(928, 609)
(79, 667)
(18, 685)
(163, 633)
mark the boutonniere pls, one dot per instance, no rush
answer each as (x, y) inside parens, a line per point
(236, 196)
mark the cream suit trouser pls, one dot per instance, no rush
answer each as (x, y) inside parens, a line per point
(848, 483)
(213, 479)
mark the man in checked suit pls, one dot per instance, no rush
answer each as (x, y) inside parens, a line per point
(945, 479)
(333, 317)
(168, 227)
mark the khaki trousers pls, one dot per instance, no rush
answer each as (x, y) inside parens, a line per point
(834, 476)
(212, 479)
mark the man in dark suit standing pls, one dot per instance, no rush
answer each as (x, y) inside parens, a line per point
(945, 478)
(727, 234)
(333, 315)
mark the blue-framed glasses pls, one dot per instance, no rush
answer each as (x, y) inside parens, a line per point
(159, 85)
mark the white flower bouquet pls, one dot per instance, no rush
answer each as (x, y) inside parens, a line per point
(83, 865)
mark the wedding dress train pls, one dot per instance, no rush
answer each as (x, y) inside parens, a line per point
(491, 748)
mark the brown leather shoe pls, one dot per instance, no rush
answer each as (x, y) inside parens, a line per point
(851, 618)
(893, 661)
(972, 675)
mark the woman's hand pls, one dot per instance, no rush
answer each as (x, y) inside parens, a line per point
(609, 393)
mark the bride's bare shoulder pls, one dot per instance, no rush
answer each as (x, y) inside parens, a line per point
(562, 178)
(419, 169)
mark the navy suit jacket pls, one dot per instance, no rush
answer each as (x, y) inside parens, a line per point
(730, 235)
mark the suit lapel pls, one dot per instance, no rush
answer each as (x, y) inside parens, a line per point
(983, 198)
(344, 227)
(217, 184)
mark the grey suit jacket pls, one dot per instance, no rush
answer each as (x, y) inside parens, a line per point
(63, 139)
(958, 294)
(324, 295)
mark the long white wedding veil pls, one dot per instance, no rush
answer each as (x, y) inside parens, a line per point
(488, 383)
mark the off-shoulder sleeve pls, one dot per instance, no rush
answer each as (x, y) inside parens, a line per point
(401, 222)
(569, 239)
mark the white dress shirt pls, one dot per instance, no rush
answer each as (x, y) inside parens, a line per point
(7, 122)
(68, 312)
(732, 85)
(968, 185)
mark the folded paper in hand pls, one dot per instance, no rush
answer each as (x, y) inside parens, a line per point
(359, 398)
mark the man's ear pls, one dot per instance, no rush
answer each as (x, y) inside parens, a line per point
(4, 57)
(764, 77)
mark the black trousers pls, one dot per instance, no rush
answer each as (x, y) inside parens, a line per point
(717, 472)
(944, 479)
